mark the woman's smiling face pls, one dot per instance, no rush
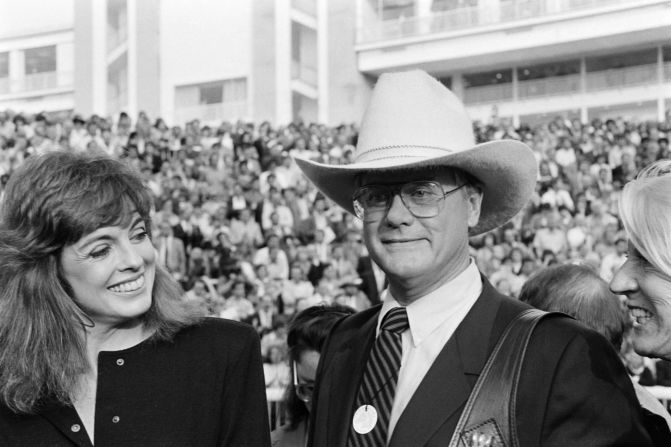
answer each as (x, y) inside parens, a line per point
(648, 292)
(111, 272)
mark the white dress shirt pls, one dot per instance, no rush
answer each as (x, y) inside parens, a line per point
(433, 319)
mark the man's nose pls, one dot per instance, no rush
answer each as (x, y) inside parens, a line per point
(398, 213)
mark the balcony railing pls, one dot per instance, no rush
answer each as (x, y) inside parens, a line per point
(621, 77)
(488, 93)
(37, 82)
(468, 17)
(560, 85)
(551, 86)
(212, 112)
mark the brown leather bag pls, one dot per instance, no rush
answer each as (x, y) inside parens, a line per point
(489, 415)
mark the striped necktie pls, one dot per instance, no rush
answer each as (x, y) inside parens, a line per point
(376, 393)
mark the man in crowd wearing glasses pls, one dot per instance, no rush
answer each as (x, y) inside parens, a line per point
(400, 373)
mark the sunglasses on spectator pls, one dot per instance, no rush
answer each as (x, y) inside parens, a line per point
(422, 198)
(304, 391)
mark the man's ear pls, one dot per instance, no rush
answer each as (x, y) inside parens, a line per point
(473, 202)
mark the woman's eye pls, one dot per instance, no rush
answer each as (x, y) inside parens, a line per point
(141, 235)
(99, 253)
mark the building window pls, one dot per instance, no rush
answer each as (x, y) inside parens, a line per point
(446, 81)
(4, 64)
(226, 99)
(489, 86)
(624, 60)
(488, 78)
(117, 84)
(117, 23)
(548, 70)
(40, 60)
(211, 94)
(303, 54)
(394, 9)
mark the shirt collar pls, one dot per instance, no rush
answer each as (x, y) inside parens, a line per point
(427, 313)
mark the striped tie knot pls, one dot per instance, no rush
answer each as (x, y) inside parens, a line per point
(396, 320)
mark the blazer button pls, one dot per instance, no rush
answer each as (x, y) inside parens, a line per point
(120, 362)
(75, 428)
(115, 419)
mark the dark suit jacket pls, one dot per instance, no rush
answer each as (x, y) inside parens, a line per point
(573, 390)
(369, 283)
(193, 238)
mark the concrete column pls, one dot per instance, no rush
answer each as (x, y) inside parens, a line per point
(516, 103)
(322, 61)
(98, 57)
(17, 70)
(584, 117)
(131, 72)
(283, 98)
(660, 81)
(423, 16)
(458, 85)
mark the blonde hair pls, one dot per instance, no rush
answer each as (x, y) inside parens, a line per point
(645, 210)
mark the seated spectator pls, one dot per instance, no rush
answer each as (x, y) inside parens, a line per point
(296, 288)
(238, 306)
(307, 333)
(351, 294)
(171, 252)
(245, 231)
(275, 369)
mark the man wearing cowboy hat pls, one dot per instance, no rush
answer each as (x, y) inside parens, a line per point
(400, 373)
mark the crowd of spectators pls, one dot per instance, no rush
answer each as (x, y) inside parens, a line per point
(250, 239)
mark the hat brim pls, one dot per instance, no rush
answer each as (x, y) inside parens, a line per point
(507, 170)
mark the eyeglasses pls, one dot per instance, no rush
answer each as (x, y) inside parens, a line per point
(304, 391)
(422, 198)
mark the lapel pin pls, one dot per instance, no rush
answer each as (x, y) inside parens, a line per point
(364, 420)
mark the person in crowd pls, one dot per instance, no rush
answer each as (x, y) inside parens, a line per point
(307, 334)
(421, 185)
(171, 252)
(245, 231)
(578, 291)
(645, 277)
(275, 369)
(351, 295)
(96, 343)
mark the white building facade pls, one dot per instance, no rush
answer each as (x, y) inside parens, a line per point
(529, 59)
(36, 55)
(316, 60)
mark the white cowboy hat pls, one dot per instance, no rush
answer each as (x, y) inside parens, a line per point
(412, 121)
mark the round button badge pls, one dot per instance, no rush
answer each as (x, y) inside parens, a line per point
(364, 420)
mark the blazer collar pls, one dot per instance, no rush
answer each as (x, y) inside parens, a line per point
(447, 384)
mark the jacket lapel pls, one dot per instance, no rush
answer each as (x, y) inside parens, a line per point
(439, 399)
(348, 366)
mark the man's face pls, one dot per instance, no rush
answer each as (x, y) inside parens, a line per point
(420, 254)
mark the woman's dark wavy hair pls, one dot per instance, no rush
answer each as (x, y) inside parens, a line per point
(308, 331)
(51, 202)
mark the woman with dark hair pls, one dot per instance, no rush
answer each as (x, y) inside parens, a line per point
(307, 333)
(96, 343)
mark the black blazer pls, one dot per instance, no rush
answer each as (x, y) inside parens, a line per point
(204, 388)
(573, 390)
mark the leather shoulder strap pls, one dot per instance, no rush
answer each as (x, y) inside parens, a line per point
(490, 410)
